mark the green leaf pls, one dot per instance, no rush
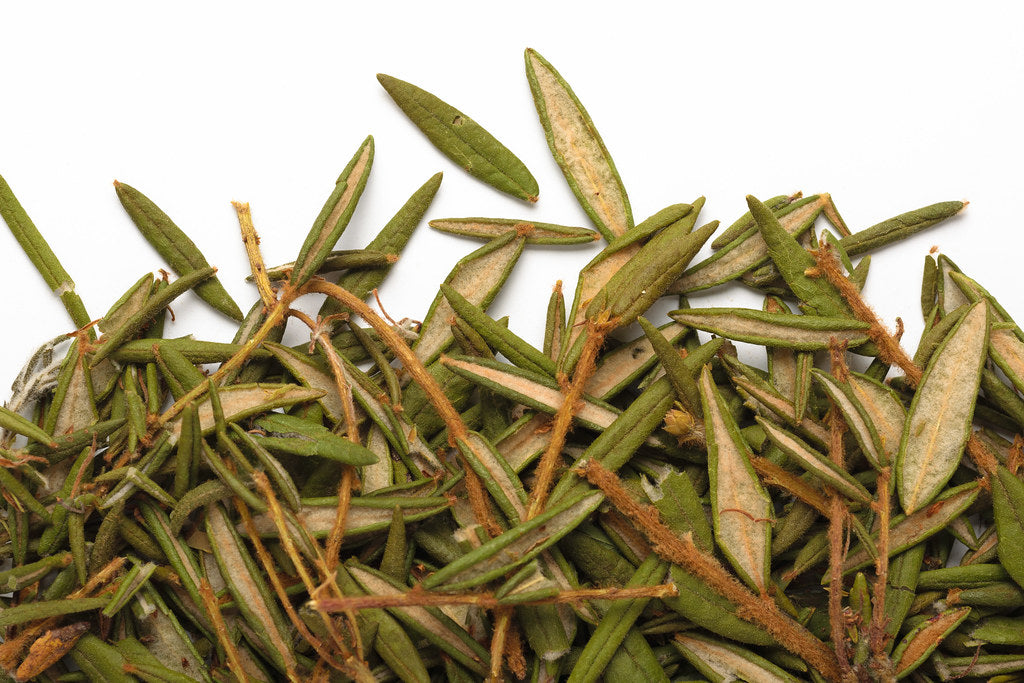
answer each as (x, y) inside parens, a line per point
(175, 246)
(462, 139)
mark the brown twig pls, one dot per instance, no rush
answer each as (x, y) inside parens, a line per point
(684, 552)
(889, 349)
(279, 589)
(879, 623)
(597, 329)
(439, 401)
(220, 628)
(417, 597)
(837, 519)
(252, 249)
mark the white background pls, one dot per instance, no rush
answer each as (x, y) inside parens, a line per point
(889, 108)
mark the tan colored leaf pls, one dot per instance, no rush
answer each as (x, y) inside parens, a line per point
(782, 330)
(782, 408)
(49, 648)
(816, 463)
(724, 661)
(477, 277)
(529, 389)
(503, 485)
(242, 400)
(578, 149)
(939, 420)
(910, 530)
(77, 409)
(922, 640)
(619, 365)
(733, 260)
(527, 442)
(312, 376)
(884, 409)
(741, 509)
(856, 418)
(248, 588)
(1008, 353)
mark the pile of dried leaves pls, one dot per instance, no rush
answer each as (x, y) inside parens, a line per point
(446, 501)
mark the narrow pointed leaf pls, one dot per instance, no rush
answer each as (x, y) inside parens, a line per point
(741, 508)
(816, 463)
(899, 227)
(723, 662)
(856, 417)
(478, 277)
(500, 338)
(175, 246)
(748, 250)
(792, 260)
(910, 530)
(516, 546)
(462, 139)
(242, 400)
(922, 640)
(781, 330)
(251, 593)
(537, 391)
(335, 214)
(647, 275)
(429, 623)
(1008, 507)
(41, 255)
(391, 240)
(578, 149)
(939, 419)
(535, 233)
(499, 479)
(884, 410)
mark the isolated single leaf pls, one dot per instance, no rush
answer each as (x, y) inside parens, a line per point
(175, 246)
(462, 139)
(899, 227)
(41, 255)
(578, 149)
(939, 419)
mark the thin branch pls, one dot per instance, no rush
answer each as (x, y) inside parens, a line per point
(684, 552)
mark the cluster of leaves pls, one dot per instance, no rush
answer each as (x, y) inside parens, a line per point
(444, 500)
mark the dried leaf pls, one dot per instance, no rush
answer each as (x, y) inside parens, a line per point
(462, 139)
(578, 149)
(741, 509)
(939, 419)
